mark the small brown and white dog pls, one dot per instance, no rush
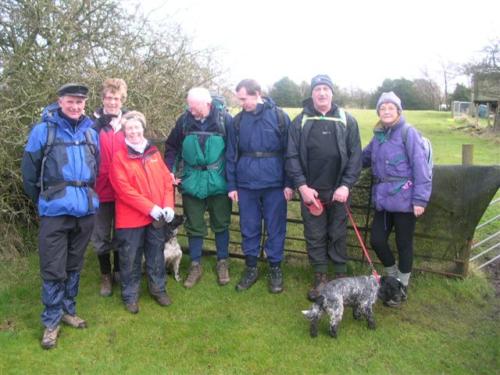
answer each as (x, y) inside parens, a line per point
(172, 251)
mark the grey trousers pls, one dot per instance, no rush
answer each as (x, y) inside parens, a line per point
(101, 236)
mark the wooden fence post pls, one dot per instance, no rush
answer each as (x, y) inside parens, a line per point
(463, 266)
(467, 154)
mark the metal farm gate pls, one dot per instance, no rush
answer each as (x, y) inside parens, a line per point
(443, 237)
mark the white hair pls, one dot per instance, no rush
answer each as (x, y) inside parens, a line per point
(199, 94)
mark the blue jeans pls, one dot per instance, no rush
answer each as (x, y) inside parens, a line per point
(132, 244)
(221, 245)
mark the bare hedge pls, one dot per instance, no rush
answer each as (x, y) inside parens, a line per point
(45, 43)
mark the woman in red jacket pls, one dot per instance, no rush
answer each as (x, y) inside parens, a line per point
(144, 199)
(108, 124)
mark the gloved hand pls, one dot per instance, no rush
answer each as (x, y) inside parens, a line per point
(168, 214)
(156, 212)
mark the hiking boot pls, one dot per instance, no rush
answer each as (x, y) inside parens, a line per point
(74, 321)
(162, 299)
(195, 272)
(319, 282)
(222, 272)
(248, 278)
(275, 280)
(106, 289)
(132, 307)
(397, 300)
(49, 339)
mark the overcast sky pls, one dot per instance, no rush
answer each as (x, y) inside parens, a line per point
(358, 43)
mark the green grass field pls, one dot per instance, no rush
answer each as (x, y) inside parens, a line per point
(448, 326)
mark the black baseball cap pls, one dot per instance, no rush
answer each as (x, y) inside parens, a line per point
(73, 89)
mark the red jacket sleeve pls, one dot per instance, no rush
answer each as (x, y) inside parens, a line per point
(123, 187)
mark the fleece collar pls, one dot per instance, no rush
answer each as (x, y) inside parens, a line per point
(383, 133)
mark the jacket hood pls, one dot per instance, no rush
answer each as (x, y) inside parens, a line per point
(267, 103)
(50, 112)
(149, 150)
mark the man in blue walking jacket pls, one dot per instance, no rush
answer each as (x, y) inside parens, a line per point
(59, 171)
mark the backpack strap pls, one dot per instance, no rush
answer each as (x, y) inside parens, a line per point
(49, 146)
(281, 120)
(426, 143)
(404, 136)
(90, 142)
(236, 126)
(404, 133)
(281, 125)
(92, 148)
(236, 123)
(51, 136)
(221, 112)
(342, 118)
(47, 149)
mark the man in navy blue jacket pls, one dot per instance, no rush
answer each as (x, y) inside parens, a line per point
(256, 179)
(59, 171)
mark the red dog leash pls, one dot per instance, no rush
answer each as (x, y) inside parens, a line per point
(351, 218)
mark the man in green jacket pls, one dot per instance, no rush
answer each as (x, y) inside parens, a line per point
(195, 150)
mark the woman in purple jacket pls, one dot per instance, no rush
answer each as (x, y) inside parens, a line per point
(402, 185)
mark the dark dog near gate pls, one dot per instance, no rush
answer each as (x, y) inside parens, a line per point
(360, 293)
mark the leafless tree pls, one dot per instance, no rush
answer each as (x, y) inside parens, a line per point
(45, 43)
